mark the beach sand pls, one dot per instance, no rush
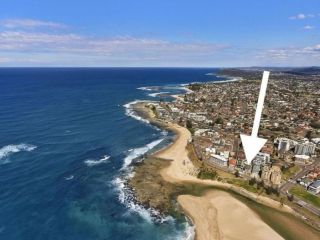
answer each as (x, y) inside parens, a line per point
(216, 215)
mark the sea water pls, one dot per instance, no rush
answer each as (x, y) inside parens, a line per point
(68, 139)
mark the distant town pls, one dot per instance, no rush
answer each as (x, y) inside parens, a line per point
(288, 166)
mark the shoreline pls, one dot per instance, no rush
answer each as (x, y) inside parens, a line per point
(180, 170)
(176, 152)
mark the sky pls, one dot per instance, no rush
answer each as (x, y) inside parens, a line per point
(162, 33)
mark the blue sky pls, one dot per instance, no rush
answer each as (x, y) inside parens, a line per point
(173, 33)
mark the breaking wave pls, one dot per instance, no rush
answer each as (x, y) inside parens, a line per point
(130, 112)
(125, 194)
(8, 150)
(145, 88)
(138, 152)
(156, 94)
(92, 162)
(69, 178)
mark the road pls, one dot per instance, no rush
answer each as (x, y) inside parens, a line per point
(284, 189)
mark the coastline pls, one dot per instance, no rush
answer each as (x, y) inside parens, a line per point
(200, 209)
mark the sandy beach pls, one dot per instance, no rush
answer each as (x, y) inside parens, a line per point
(182, 168)
(216, 214)
(211, 212)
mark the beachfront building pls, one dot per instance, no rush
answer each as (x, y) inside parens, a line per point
(264, 158)
(307, 148)
(258, 162)
(271, 175)
(256, 168)
(218, 160)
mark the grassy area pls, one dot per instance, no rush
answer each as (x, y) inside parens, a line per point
(207, 175)
(305, 195)
(244, 184)
(288, 173)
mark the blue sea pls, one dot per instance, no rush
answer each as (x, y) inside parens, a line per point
(68, 138)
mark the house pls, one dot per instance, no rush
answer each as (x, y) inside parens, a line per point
(314, 188)
(301, 159)
(232, 163)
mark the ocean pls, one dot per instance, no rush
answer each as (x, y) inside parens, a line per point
(68, 139)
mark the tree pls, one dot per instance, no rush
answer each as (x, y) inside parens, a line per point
(219, 120)
(309, 134)
(189, 124)
(268, 190)
(290, 197)
(252, 181)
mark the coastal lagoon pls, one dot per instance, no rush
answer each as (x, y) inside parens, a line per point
(67, 139)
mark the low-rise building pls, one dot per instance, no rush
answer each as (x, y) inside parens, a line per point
(301, 159)
(218, 160)
(314, 187)
(307, 148)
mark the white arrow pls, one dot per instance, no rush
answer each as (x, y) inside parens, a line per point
(252, 144)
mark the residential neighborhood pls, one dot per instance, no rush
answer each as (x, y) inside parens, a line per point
(216, 113)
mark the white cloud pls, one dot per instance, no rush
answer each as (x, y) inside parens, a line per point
(112, 50)
(17, 40)
(31, 45)
(29, 23)
(292, 53)
(5, 60)
(299, 16)
(302, 16)
(308, 27)
(312, 49)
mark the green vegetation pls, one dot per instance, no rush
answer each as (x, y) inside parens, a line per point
(195, 87)
(289, 172)
(154, 110)
(300, 192)
(219, 120)
(254, 186)
(207, 175)
(189, 126)
(244, 184)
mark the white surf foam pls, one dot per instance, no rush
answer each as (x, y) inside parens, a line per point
(8, 150)
(182, 86)
(156, 94)
(92, 162)
(229, 79)
(69, 178)
(145, 88)
(126, 197)
(189, 233)
(164, 133)
(130, 112)
(138, 152)
(125, 194)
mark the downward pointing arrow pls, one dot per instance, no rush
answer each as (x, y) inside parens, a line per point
(253, 144)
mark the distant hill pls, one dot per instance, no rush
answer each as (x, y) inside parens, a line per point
(304, 71)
